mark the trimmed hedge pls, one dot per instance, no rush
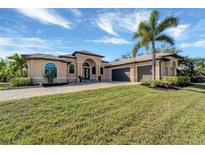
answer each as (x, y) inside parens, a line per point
(177, 80)
(21, 81)
(157, 83)
(168, 82)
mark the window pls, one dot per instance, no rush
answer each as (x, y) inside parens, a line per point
(51, 68)
(101, 70)
(93, 70)
(71, 68)
(86, 64)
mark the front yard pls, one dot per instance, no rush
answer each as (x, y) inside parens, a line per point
(118, 115)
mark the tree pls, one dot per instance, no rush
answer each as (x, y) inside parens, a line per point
(192, 67)
(124, 56)
(18, 64)
(3, 73)
(151, 32)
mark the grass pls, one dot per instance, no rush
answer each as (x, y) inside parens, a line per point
(118, 115)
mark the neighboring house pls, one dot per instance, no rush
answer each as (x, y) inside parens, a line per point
(68, 68)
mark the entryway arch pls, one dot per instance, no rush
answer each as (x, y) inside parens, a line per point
(87, 69)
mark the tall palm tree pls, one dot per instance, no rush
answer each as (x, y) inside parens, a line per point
(151, 32)
(18, 63)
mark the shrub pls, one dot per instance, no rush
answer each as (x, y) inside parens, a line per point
(80, 78)
(165, 84)
(99, 78)
(151, 83)
(20, 81)
(49, 76)
(183, 80)
(198, 79)
(177, 80)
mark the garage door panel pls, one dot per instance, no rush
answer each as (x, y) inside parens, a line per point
(144, 72)
(122, 74)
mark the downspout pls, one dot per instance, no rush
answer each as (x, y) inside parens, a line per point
(67, 72)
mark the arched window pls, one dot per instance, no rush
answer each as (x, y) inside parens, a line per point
(86, 64)
(93, 70)
(51, 68)
(71, 68)
(101, 70)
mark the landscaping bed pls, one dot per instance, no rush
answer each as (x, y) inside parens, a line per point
(53, 84)
(169, 82)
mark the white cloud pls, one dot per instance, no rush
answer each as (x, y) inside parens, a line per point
(5, 41)
(106, 23)
(110, 40)
(46, 16)
(114, 22)
(197, 44)
(11, 45)
(76, 12)
(179, 31)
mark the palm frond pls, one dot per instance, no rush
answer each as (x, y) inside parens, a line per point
(135, 49)
(165, 38)
(167, 23)
(154, 17)
(143, 28)
(135, 36)
(145, 39)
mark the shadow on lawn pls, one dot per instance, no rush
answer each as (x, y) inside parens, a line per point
(197, 87)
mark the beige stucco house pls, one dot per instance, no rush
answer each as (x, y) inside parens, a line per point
(91, 66)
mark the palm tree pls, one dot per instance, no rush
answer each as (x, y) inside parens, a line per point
(151, 32)
(18, 63)
(3, 67)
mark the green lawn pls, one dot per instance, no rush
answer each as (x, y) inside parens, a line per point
(118, 115)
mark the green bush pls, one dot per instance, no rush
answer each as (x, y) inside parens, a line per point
(177, 80)
(168, 82)
(164, 84)
(49, 76)
(198, 79)
(151, 83)
(20, 81)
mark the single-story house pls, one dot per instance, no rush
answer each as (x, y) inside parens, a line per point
(88, 65)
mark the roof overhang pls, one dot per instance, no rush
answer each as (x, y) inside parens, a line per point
(90, 54)
(45, 58)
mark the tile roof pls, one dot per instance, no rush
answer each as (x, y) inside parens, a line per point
(140, 58)
(87, 53)
(43, 56)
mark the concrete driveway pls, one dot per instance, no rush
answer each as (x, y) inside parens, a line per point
(6, 95)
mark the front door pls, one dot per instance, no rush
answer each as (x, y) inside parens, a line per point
(86, 73)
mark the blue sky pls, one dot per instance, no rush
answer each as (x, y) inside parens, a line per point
(105, 31)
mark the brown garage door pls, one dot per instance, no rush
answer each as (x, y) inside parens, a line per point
(144, 72)
(122, 74)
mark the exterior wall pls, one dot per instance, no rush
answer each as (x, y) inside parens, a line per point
(105, 75)
(167, 68)
(36, 69)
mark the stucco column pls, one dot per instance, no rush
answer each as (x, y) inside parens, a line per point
(79, 70)
(97, 71)
(158, 70)
(133, 72)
